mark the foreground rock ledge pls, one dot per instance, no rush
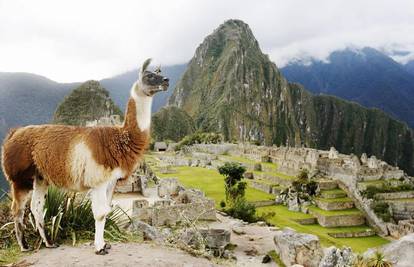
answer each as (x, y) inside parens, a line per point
(298, 248)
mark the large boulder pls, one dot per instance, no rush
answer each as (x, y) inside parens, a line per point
(401, 252)
(335, 257)
(298, 248)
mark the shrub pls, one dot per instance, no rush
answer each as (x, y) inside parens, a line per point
(243, 210)
(382, 209)
(68, 217)
(200, 138)
(222, 204)
(378, 260)
(303, 175)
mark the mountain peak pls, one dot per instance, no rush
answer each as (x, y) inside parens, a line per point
(230, 36)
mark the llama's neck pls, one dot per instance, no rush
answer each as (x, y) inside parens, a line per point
(138, 113)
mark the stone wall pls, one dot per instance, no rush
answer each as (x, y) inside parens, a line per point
(334, 205)
(339, 220)
(395, 195)
(403, 228)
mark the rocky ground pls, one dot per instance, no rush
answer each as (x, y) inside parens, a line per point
(125, 254)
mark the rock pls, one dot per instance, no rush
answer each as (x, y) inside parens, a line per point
(211, 238)
(298, 248)
(400, 252)
(251, 251)
(238, 231)
(261, 223)
(168, 187)
(266, 259)
(216, 238)
(257, 167)
(149, 232)
(248, 175)
(335, 257)
(293, 204)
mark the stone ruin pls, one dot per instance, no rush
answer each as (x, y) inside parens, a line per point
(138, 181)
(173, 205)
(404, 227)
(292, 160)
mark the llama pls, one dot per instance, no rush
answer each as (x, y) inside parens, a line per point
(79, 159)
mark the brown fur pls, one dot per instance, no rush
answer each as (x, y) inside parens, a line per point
(45, 149)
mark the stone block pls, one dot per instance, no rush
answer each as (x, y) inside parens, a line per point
(298, 248)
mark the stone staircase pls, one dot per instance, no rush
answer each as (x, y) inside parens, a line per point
(334, 208)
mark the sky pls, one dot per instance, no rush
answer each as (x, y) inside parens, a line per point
(70, 41)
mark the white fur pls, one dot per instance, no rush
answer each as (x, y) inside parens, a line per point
(100, 209)
(143, 106)
(37, 207)
(86, 172)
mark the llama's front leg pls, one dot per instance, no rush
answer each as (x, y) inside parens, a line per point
(100, 209)
(37, 205)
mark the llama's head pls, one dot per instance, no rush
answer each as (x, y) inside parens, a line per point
(151, 82)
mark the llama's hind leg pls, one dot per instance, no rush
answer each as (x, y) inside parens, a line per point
(20, 198)
(37, 207)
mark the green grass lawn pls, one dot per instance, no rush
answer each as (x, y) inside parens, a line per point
(341, 199)
(353, 211)
(211, 183)
(285, 218)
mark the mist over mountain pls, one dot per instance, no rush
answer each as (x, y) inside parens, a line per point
(366, 76)
(231, 87)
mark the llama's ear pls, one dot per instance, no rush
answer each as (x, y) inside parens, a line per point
(145, 65)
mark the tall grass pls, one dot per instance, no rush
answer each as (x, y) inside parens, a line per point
(68, 216)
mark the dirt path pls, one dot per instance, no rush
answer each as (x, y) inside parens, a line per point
(125, 254)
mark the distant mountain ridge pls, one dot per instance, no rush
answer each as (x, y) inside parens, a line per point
(366, 76)
(231, 87)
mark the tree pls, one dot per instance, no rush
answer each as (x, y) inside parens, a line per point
(233, 174)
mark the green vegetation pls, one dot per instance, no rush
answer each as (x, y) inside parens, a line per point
(200, 138)
(211, 183)
(68, 218)
(171, 123)
(382, 209)
(88, 102)
(342, 199)
(285, 218)
(353, 211)
(235, 189)
(385, 187)
(272, 254)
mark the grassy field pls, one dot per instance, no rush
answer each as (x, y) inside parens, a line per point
(211, 183)
(285, 218)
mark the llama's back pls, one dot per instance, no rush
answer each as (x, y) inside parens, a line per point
(37, 148)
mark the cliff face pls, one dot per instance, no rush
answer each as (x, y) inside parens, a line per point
(90, 101)
(231, 87)
(171, 123)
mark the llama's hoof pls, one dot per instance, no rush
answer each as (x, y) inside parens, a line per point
(101, 252)
(107, 246)
(26, 249)
(54, 245)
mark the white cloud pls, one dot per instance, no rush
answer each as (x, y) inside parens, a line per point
(78, 40)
